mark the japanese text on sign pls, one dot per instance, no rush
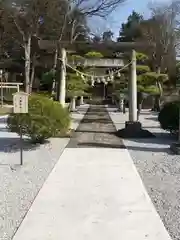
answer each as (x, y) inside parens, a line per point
(20, 102)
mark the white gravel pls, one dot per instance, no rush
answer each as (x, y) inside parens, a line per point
(158, 168)
(20, 185)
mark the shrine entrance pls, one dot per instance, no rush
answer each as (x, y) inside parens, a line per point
(100, 74)
(102, 92)
(132, 127)
(98, 90)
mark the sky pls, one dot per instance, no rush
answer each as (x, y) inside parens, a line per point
(121, 14)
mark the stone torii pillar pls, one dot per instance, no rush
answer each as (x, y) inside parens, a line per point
(133, 89)
(133, 128)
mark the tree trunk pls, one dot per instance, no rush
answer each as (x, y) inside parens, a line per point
(27, 47)
(54, 70)
(32, 79)
(158, 83)
(158, 70)
(157, 102)
(121, 105)
(32, 74)
(160, 88)
(62, 85)
(124, 107)
(139, 109)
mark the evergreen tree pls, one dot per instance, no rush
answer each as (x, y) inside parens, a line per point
(130, 31)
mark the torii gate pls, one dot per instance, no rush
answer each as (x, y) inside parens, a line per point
(132, 125)
(103, 63)
(132, 86)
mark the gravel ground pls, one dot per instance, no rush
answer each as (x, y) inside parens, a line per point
(158, 168)
(20, 185)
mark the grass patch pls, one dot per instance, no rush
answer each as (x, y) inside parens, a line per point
(5, 110)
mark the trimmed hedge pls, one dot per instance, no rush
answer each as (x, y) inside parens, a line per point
(141, 69)
(45, 119)
(169, 117)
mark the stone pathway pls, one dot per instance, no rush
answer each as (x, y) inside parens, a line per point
(96, 130)
(94, 192)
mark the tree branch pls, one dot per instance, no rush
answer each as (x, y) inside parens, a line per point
(18, 27)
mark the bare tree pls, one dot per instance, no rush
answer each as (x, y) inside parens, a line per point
(101, 8)
(27, 16)
(6, 31)
(160, 30)
(74, 16)
(162, 33)
(107, 36)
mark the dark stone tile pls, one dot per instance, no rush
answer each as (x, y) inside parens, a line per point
(96, 130)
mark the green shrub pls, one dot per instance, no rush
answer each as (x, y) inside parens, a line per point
(76, 57)
(45, 119)
(94, 55)
(75, 85)
(44, 94)
(169, 116)
(141, 69)
(47, 80)
(141, 58)
(152, 90)
(153, 77)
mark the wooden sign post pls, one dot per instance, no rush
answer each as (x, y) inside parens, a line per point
(20, 105)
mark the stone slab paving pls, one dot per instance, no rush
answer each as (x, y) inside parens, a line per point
(20, 185)
(96, 130)
(93, 192)
(158, 168)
